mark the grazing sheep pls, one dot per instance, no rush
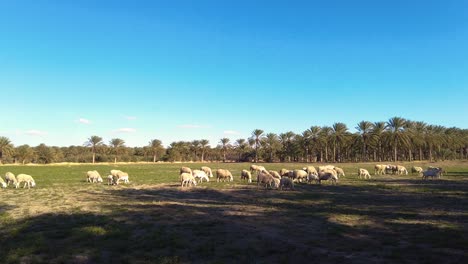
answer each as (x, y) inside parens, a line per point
(275, 174)
(256, 168)
(339, 172)
(114, 172)
(185, 170)
(200, 175)
(110, 180)
(208, 171)
(418, 170)
(327, 175)
(432, 172)
(286, 183)
(222, 174)
(312, 177)
(10, 178)
(93, 176)
(379, 169)
(187, 179)
(441, 171)
(3, 183)
(120, 176)
(276, 183)
(363, 173)
(246, 175)
(285, 172)
(299, 175)
(266, 179)
(27, 179)
(326, 167)
(401, 170)
(310, 170)
(391, 169)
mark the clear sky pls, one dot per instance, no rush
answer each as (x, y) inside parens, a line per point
(185, 70)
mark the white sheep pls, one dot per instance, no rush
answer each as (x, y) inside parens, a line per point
(3, 183)
(327, 175)
(363, 173)
(379, 169)
(246, 175)
(418, 170)
(10, 178)
(187, 179)
(275, 174)
(200, 175)
(114, 172)
(120, 176)
(299, 175)
(286, 182)
(208, 171)
(326, 167)
(93, 176)
(256, 168)
(312, 177)
(185, 170)
(110, 180)
(27, 179)
(265, 178)
(222, 174)
(401, 170)
(285, 173)
(339, 172)
(310, 170)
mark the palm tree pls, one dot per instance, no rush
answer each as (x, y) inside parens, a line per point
(117, 144)
(155, 147)
(378, 131)
(338, 136)
(5, 147)
(241, 145)
(257, 135)
(417, 132)
(325, 135)
(271, 144)
(364, 129)
(195, 146)
(224, 142)
(398, 137)
(314, 136)
(94, 142)
(204, 143)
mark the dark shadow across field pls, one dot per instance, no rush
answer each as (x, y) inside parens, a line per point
(380, 223)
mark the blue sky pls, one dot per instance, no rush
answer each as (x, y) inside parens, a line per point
(184, 70)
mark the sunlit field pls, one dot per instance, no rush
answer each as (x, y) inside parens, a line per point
(389, 218)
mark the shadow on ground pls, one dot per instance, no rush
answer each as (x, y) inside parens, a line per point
(325, 224)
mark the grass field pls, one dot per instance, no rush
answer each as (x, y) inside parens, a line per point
(386, 219)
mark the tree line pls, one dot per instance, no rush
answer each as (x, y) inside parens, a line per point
(398, 139)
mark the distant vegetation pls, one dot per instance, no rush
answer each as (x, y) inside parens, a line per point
(398, 139)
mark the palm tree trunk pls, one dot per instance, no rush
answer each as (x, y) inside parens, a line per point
(154, 158)
(115, 159)
(420, 154)
(94, 157)
(202, 155)
(334, 152)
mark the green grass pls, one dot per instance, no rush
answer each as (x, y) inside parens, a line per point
(152, 220)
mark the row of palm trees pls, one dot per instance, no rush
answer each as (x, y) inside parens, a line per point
(395, 140)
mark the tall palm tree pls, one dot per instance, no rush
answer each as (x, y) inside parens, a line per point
(117, 144)
(204, 144)
(338, 136)
(378, 131)
(314, 136)
(155, 147)
(325, 135)
(417, 131)
(94, 142)
(224, 143)
(5, 147)
(241, 145)
(195, 146)
(398, 137)
(257, 135)
(271, 144)
(364, 129)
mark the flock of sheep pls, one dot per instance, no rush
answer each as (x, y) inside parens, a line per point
(433, 172)
(283, 179)
(112, 179)
(17, 180)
